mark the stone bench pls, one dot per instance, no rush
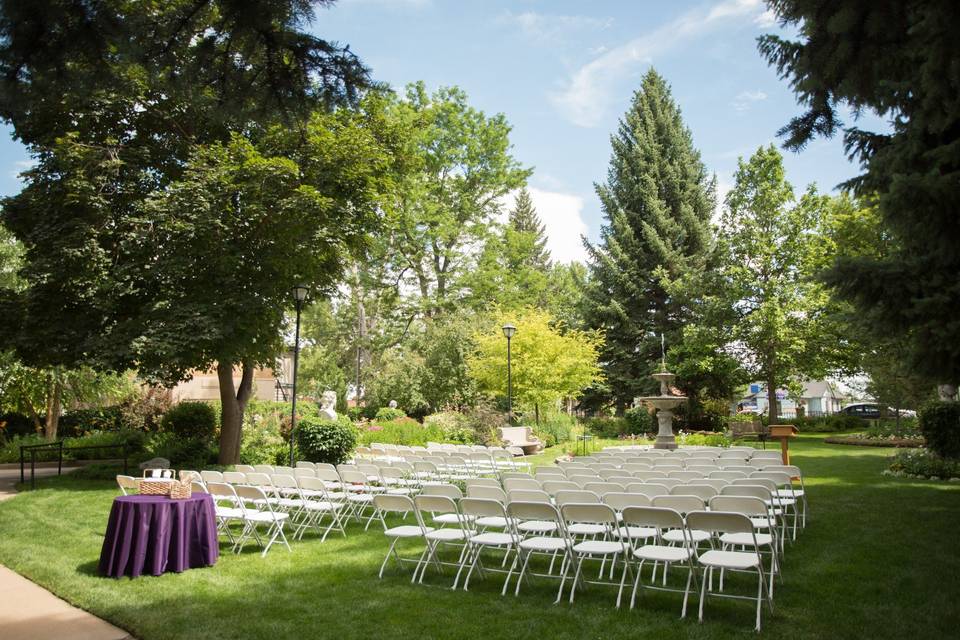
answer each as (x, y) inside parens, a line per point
(745, 429)
(521, 437)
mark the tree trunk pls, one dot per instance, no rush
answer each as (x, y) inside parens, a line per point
(536, 412)
(54, 398)
(772, 413)
(233, 403)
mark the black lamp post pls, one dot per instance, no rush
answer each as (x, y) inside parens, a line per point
(299, 295)
(508, 331)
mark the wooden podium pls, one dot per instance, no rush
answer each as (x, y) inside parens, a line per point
(783, 433)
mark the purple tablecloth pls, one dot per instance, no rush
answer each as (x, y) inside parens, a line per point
(154, 534)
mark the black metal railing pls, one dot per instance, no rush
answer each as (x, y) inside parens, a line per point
(35, 449)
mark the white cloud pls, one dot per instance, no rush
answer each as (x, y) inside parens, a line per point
(766, 19)
(562, 216)
(20, 166)
(745, 99)
(549, 27)
(392, 4)
(587, 94)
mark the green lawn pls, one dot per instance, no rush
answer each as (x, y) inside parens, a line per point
(878, 560)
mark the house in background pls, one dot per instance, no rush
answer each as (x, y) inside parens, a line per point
(268, 384)
(820, 397)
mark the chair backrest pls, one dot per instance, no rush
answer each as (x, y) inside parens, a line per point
(583, 478)
(258, 479)
(525, 495)
(702, 491)
(781, 478)
(234, 477)
(520, 484)
(305, 464)
(127, 483)
(620, 501)
(552, 472)
(574, 497)
(516, 474)
(633, 467)
(482, 508)
(481, 482)
(436, 504)
(450, 491)
(553, 486)
(601, 488)
(662, 463)
(522, 510)
(243, 468)
(647, 475)
(656, 517)
(394, 473)
(716, 483)
(222, 491)
(683, 504)
(746, 505)
(284, 481)
(590, 513)
(606, 474)
(327, 474)
(648, 489)
(669, 483)
(391, 503)
(263, 468)
(719, 522)
(755, 491)
(246, 493)
(305, 472)
(487, 493)
(211, 476)
(760, 482)
(351, 476)
(197, 487)
(727, 475)
(312, 483)
(684, 476)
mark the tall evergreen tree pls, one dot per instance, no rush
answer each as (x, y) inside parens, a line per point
(657, 200)
(524, 220)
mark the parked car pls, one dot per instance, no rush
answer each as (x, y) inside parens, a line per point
(871, 411)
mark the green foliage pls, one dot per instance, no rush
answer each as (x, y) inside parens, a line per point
(405, 431)
(833, 423)
(657, 202)
(135, 441)
(907, 429)
(703, 439)
(639, 421)
(183, 452)
(15, 424)
(555, 428)
(887, 57)
(386, 414)
(399, 377)
(453, 426)
(940, 426)
(195, 420)
(608, 427)
(548, 363)
(327, 441)
(78, 421)
(923, 463)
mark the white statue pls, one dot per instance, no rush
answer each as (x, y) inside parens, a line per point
(328, 399)
(392, 404)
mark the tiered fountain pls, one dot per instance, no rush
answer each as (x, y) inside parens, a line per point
(664, 404)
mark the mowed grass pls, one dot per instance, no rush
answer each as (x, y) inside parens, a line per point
(878, 560)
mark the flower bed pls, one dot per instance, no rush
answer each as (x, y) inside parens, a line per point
(922, 463)
(865, 440)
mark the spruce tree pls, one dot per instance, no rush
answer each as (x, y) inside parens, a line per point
(657, 201)
(524, 220)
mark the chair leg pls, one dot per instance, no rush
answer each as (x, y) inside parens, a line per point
(703, 590)
(390, 551)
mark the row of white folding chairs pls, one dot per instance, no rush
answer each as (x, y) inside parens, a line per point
(620, 528)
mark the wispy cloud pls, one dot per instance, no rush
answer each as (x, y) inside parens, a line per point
(745, 99)
(587, 94)
(562, 216)
(20, 166)
(551, 28)
(766, 19)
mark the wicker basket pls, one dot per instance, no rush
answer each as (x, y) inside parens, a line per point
(155, 487)
(181, 490)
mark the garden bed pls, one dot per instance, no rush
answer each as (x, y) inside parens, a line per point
(863, 440)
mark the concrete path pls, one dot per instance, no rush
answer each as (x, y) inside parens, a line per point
(30, 612)
(10, 477)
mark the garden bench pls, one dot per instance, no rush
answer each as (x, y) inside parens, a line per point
(521, 437)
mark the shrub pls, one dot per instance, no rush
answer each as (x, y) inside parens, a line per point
(609, 427)
(703, 439)
(555, 429)
(190, 420)
(639, 421)
(97, 419)
(923, 463)
(10, 451)
(940, 426)
(385, 414)
(405, 431)
(134, 441)
(183, 452)
(453, 426)
(261, 442)
(888, 430)
(328, 441)
(15, 424)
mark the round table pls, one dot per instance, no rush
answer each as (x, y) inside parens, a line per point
(154, 534)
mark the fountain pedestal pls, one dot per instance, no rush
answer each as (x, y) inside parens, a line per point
(664, 404)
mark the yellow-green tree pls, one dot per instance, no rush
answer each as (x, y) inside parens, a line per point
(550, 362)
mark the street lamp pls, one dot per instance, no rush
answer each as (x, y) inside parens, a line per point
(508, 331)
(299, 295)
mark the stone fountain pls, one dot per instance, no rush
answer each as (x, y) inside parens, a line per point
(664, 404)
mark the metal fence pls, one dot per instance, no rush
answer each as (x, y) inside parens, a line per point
(38, 449)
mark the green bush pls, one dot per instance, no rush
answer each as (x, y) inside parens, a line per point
(454, 427)
(385, 414)
(608, 427)
(183, 452)
(908, 429)
(639, 421)
(325, 440)
(15, 424)
(10, 451)
(554, 429)
(77, 422)
(940, 426)
(824, 424)
(405, 431)
(134, 441)
(923, 463)
(703, 439)
(190, 420)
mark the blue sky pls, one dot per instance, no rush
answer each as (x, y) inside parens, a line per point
(563, 73)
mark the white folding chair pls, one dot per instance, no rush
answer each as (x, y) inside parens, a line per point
(657, 519)
(519, 513)
(258, 510)
(391, 503)
(456, 536)
(604, 550)
(479, 510)
(128, 484)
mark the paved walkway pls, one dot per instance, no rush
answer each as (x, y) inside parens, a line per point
(30, 612)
